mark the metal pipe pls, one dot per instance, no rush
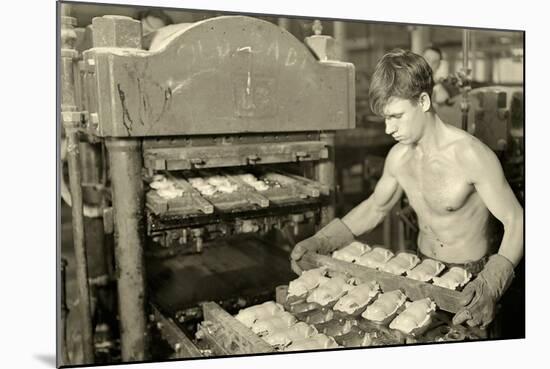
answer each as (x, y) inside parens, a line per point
(79, 245)
(465, 48)
(71, 123)
(473, 52)
(340, 37)
(420, 38)
(125, 161)
(64, 311)
(464, 106)
(325, 173)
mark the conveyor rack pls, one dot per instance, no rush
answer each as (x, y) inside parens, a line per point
(225, 335)
(159, 223)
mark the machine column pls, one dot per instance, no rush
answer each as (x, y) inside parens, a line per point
(128, 205)
(126, 162)
(324, 173)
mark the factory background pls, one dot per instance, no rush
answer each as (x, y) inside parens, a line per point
(496, 62)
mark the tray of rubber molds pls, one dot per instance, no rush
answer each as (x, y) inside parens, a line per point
(200, 192)
(170, 195)
(210, 191)
(310, 320)
(346, 330)
(443, 286)
(282, 188)
(358, 313)
(283, 330)
(334, 304)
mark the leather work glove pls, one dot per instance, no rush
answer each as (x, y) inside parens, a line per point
(331, 237)
(481, 295)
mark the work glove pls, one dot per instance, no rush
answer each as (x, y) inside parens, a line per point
(481, 295)
(331, 237)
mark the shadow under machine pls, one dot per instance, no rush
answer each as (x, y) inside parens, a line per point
(219, 150)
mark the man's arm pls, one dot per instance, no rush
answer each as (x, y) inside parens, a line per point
(480, 296)
(485, 173)
(364, 217)
(368, 214)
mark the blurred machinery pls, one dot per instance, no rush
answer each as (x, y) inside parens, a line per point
(495, 116)
(148, 124)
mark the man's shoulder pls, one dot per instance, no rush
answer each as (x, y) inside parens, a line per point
(398, 151)
(462, 142)
(398, 154)
(469, 146)
(471, 152)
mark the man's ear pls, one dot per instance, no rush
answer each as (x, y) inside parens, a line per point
(425, 101)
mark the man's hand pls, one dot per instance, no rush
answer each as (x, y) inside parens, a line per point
(481, 295)
(311, 244)
(333, 236)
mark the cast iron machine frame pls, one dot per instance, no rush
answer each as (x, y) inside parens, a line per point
(226, 92)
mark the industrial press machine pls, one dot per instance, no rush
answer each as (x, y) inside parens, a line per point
(223, 98)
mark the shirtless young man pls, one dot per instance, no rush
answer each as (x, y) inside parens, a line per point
(452, 180)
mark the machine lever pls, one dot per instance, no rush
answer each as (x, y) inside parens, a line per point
(197, 162)
(252, 159)
(300, 155)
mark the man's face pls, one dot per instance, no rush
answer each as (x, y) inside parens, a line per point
(433, 59)
(404, 120)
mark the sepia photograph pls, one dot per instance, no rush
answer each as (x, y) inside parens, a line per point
(235, 184)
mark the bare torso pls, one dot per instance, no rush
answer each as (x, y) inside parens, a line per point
(452, 218)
